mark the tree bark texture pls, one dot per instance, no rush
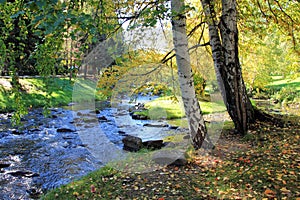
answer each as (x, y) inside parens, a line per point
(193, 112)
(224, 44)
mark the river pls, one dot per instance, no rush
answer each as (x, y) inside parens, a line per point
(46, 152)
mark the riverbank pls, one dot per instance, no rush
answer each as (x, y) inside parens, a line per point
(239, 168)
(56, 92)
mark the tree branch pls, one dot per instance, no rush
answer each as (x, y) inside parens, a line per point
(166, 58)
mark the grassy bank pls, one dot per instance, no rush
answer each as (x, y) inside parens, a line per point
(280, 82)
(37, 92)
(166, 107)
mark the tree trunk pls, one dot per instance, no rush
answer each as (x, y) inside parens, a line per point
(227, 65)
(198, 131)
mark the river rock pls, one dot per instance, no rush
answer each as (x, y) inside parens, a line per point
(170, 157)
(139, 117)
(153, 144)
(65, 129)
(132, 143)
(159, 125)
(123, 133)
(18, 173)
(173, 127)
(102, 118)
(4, 164)
(34, 193)
(137, 107)
(16, 132)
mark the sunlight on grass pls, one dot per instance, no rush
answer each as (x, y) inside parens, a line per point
(61, 91)
(174, 110)
(280, 82)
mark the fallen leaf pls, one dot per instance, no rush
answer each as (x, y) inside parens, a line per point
(93, 189)
(197, 189)
(269, 192)
(284, 190)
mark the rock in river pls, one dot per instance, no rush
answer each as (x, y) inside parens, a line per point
(132, 143)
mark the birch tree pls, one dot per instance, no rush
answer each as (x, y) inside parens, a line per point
(224, 44)
(198, 131)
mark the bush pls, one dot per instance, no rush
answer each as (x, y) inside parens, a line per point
(287, 94)
(200, 84)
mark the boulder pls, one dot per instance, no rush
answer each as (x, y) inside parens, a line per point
(153, 144)
(170, 157)
(132, 143)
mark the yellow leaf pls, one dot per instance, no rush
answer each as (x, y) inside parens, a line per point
(284, 190)
(75, 193)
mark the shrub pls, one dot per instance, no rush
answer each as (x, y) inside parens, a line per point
(200, 84)
(287, 94)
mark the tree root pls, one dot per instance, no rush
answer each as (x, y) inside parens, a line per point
(266, 117)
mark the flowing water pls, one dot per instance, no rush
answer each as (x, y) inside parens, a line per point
(46, 152)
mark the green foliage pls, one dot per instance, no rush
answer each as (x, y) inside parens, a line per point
(287, 94)
(284, 89)
(200, 84)
(109, 78)
(268, 41)
(36, 36)
(152, 89)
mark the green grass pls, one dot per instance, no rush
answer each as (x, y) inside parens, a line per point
(281, 82)
(37, 92)
(166, 107)
(102, 178)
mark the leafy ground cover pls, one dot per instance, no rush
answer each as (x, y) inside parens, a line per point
(264, 164)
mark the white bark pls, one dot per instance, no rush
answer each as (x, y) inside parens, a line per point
(227, 65)
(216, 45)
(196, 122)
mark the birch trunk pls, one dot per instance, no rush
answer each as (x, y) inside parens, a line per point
(227, 65)
(198, 131)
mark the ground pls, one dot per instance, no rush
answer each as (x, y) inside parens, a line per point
(264, 164)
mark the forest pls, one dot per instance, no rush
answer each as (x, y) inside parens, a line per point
(217, 83)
